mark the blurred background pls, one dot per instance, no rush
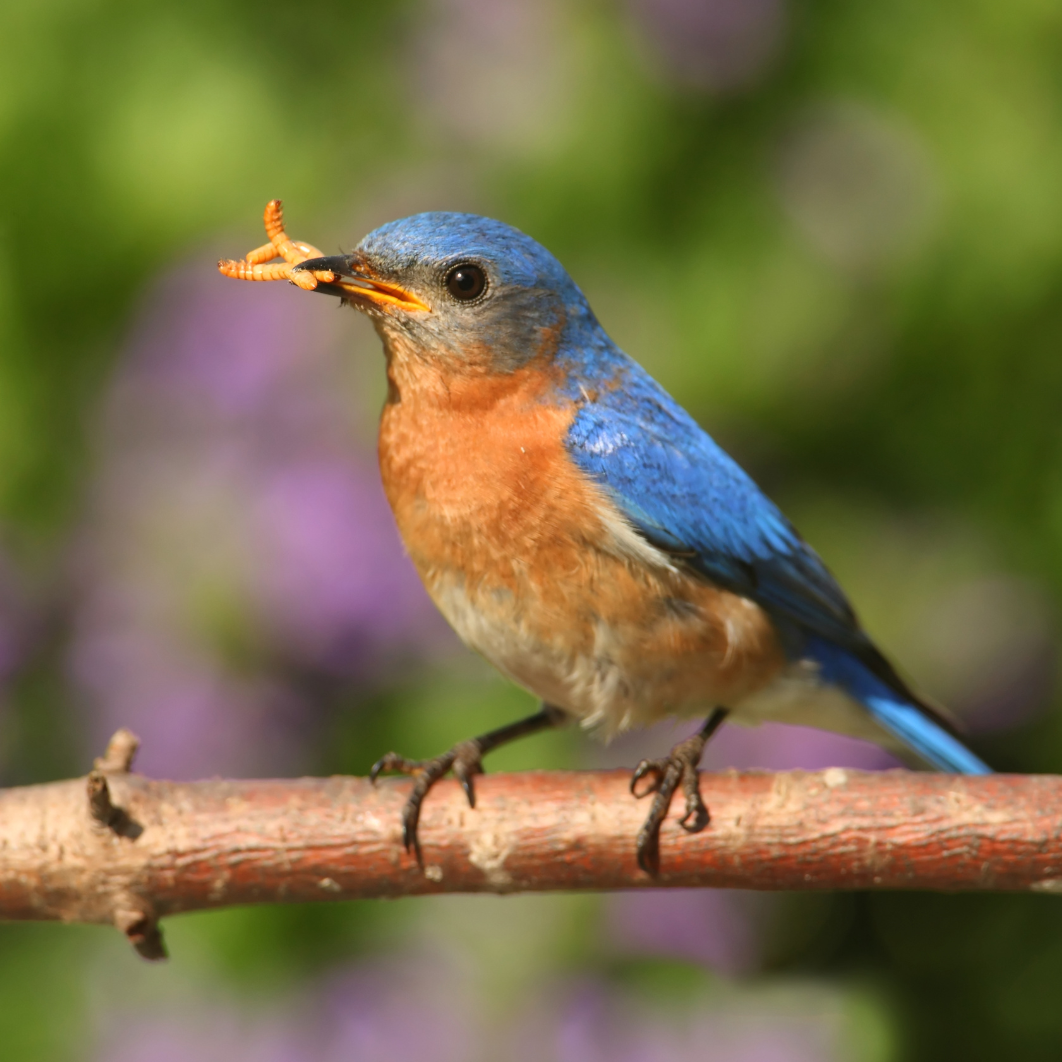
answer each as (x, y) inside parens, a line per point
(833, 231)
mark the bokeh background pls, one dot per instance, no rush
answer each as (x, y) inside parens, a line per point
(833, 230)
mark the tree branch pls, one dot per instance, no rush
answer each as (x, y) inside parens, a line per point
(122, 849)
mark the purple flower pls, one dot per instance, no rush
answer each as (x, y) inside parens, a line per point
(203, 340)
(406, 1010)
(778, 747)
(205, 1035)
(713, 44)
(587, 1022)
(334, 580)
(14, 620)
(415, 1006)
(19, 625)
(193, 719)
(499, 72)
(403, 1010)
(714, 927)
(772, 746)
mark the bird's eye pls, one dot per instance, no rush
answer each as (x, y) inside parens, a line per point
(465, 281)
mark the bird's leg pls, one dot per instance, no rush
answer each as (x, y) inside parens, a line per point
(464, 759)
(662, 777)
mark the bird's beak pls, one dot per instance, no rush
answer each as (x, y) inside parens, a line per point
(355, 281)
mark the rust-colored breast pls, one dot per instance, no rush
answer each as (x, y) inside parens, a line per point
(517, 547)
(475, 470)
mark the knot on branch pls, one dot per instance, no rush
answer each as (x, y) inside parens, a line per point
(103, 809)
(139, 926)
(142, 931)
(120, 753)
(117, 759)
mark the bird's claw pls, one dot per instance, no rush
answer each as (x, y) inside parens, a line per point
(656, 769)
(664, 776)
(392, 762)
(463, 759)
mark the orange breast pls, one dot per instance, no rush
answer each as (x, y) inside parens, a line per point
(520, 550)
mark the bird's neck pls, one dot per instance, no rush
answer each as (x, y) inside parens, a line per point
(464, 384)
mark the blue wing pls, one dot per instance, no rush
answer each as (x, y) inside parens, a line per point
(687, 496)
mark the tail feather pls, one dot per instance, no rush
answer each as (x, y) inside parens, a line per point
(901, 717)
(936, 746)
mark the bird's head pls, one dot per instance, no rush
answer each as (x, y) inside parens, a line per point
(465, 289)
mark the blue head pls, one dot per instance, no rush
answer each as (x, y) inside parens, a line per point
(462, 287)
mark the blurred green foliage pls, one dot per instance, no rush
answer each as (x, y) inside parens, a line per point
(128, 133)
(903, 365)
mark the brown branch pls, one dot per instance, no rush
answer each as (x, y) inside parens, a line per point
(122, 849)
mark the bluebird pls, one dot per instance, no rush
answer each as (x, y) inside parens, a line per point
(579, 529)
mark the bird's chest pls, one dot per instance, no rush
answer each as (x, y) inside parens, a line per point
(533, 567)
(481, 487)
(497, 521)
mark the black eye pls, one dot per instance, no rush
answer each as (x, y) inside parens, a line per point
(465, 281)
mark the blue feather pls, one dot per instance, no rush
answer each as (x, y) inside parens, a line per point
(900, 717)
(687, 496)
(674, 484)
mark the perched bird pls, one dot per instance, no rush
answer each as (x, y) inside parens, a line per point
(580, 530)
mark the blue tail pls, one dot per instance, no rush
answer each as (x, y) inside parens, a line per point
(901, 717)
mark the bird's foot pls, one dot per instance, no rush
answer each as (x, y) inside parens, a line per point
(464, 759)
(662, 777)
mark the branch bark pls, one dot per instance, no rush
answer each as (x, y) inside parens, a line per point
(122, 849)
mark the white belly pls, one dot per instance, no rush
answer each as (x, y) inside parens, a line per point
(597, 687)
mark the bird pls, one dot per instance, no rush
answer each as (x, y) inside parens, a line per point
(579, 529)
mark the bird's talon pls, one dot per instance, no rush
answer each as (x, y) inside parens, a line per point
(647, 845)
(679, 766)
(648, 853)
(463, 759)
(392, 762)
(464, 776)
(646, 767)
(696, 817)
(409, 838)
(699, 815)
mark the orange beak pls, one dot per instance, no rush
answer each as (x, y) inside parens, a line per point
(354, 281)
